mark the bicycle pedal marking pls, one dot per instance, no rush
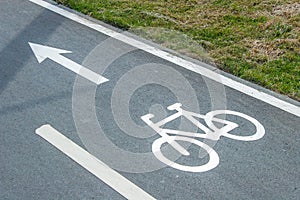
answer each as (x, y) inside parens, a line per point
(211, 132)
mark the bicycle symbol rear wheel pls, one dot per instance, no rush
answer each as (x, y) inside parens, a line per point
(213, 156)
(259, 128)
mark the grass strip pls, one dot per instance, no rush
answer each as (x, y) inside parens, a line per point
(256, 40)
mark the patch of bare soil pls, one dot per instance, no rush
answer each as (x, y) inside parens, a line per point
(287, 9)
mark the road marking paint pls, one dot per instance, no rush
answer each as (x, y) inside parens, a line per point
(283, 105)
(112, 178)
(210, 132)
(42, 52)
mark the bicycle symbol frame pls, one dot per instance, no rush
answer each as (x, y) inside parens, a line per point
(211, 132)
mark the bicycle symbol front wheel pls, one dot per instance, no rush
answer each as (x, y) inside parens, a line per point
(213, 156)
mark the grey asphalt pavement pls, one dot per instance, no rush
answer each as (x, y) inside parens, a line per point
(34, 94)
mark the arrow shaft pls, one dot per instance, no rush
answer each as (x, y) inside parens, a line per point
(78, 69)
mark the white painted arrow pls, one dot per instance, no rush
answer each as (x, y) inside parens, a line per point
(42, 52)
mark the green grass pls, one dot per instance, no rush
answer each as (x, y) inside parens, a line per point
(256, 40)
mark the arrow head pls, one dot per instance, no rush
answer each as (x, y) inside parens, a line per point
(42, 52)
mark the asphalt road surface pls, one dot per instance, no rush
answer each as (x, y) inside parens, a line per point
(96, 96)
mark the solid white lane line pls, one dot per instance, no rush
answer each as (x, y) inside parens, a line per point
(112, 178)
(288, 107)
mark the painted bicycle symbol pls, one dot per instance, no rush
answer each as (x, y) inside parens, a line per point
(212, 132)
